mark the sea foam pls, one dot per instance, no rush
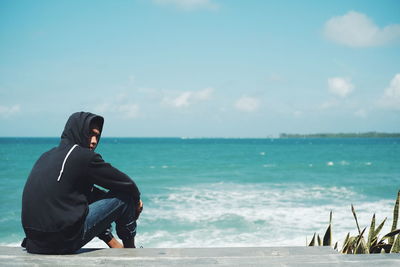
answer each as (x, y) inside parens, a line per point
(226, 214)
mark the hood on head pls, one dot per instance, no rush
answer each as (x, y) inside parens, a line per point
(77, 128)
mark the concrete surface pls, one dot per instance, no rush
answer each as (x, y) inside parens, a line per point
(258, 256)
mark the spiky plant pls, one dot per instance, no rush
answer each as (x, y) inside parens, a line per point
(358, 245)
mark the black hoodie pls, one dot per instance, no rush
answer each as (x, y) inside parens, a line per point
(56, 194)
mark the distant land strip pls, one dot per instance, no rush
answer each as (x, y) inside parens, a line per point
(341, 135)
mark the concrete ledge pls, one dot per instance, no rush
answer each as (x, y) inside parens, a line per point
(259, 256)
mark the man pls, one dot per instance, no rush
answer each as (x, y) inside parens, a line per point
(62, 210)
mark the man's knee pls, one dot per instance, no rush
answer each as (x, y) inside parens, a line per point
(125, 198)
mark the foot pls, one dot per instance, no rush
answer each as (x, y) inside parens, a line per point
(114, 243)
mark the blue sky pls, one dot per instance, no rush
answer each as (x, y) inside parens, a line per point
(200, 68)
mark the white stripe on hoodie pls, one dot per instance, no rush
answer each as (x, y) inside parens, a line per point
(65, 159)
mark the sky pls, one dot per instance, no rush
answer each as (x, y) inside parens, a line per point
(200, 68)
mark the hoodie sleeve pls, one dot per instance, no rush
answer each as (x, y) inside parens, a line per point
(96, 194)
(105, 175)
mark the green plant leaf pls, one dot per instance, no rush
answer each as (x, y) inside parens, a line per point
(395, 217)
(357, 242)
(345, 243)
(376, 247)
(360, 236)
(396, 245)
(365, 248)
(377, 230)
(355, 217)
(379, 247)
(372, 246)
(312, 243)
(349, 247)
(371, 233)
(391, 234)
(361, 247)
(328, 236)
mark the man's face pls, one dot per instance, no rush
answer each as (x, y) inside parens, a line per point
(94, 138)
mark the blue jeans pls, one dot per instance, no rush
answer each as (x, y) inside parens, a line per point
(112, 207)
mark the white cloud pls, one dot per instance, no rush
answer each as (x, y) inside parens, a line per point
(329, 104)
(204, 94)
(340, 86)
(189, 98)
(275, 77)
(120, 104)
(150, 92)
(391, 96)
(102, 108)
(247, 104)
(361, 113)
(189, 4)
(182, 100)
(7, 111)
(357, 30)
(130, 111)
(297, 113)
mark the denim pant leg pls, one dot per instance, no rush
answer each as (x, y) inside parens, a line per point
(96, 195)
(116, 207)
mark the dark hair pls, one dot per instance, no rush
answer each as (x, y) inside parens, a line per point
(97, 123)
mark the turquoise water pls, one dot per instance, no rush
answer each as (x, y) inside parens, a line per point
(231, 192)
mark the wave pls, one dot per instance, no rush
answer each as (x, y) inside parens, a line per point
(252, 215)
(235, 215)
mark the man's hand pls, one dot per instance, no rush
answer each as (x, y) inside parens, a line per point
(139, 209)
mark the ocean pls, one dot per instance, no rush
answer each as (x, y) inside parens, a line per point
(221, 192)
